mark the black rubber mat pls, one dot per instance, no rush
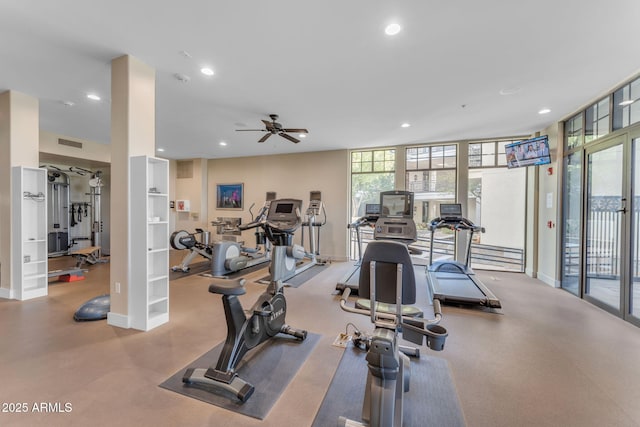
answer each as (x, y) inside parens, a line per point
(269, 368)
(432, 399)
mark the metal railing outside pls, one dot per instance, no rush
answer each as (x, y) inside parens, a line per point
(486, 257)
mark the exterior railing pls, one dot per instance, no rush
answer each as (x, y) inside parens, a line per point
(604, 243)
(487, 257)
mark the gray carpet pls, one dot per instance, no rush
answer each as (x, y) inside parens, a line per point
(431, 401)
(269, 368)
(301, 278)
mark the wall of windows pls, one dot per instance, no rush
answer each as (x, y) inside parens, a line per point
(372, 171)
(431, 176)
(597, 224)
(498, 207)
(431, 172)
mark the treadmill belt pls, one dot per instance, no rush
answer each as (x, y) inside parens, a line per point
(461, 286)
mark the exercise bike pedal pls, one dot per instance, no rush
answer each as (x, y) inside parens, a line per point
(297, 333)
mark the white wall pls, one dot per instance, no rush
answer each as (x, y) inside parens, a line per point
(503, 202)
(548, 198)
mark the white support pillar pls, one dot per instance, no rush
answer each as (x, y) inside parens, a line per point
(19, 133)
(132, 134)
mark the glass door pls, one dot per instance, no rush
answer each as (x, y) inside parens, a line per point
(634, 218)
(605, 250)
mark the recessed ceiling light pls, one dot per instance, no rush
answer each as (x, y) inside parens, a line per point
(392, 29)
(93, 96)
(223, 143)
(405, 125)
(207, 71)
(160, 149)
(627, 102)
(544, 111)
(303, 135)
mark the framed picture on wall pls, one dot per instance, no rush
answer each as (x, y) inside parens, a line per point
(230, 196)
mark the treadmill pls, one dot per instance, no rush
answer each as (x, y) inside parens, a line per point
(450, 281)
(371, 215)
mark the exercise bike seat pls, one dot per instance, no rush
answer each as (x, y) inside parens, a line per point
(228, 287)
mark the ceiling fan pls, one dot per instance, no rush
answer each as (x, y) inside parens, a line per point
(274, 128)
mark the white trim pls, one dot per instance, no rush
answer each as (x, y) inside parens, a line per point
(119, 320)
(6, 293)
(548, 280)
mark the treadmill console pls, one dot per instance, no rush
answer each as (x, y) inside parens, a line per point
(284, 214)
(396, 217)
(400, 229)
(315, 203)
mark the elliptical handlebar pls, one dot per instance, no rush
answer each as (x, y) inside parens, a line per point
(250, 225)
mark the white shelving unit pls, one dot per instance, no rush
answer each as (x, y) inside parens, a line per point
(29, 233)
(149, 256)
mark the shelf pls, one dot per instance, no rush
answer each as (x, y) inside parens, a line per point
(160, 250)
(155, 277)
(156, 299)
(149, 299)
(29, 232)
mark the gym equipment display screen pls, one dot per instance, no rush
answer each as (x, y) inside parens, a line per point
(530, 152)
(396, 204)
(284, 208)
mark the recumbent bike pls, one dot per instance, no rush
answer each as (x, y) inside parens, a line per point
(387, 276)
(267, 315)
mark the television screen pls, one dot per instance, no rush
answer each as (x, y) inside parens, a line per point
(396, 204)
(530, 152)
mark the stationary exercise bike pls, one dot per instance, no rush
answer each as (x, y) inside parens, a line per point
(267, 315)
(387, 276)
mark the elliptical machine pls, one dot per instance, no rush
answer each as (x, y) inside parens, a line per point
(226, 256)
(267, 315)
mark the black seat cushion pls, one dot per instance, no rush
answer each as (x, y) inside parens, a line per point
(387, 255)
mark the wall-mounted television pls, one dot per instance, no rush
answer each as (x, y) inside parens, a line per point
(530, 152)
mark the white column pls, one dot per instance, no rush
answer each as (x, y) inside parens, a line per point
(132, 134)
(19, 133)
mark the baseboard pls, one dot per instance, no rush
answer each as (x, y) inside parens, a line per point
(119, 320)
(549, 280)
(6, 293)
(529, 272)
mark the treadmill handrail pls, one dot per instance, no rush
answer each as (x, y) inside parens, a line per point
(457, 224)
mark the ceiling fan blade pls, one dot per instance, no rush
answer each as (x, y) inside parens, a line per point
(251, 130)
(289, 137)
(296, 130)
(264, 138)
(269, 125)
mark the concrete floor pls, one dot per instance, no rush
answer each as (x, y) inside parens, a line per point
(549, 359)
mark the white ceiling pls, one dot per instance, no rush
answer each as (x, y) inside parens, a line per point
(324, 65)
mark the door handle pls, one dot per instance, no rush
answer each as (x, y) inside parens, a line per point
(624, 207)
